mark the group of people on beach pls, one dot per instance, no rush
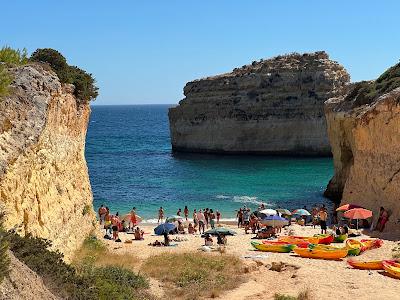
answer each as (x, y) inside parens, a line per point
(202, 219)
(113, 223)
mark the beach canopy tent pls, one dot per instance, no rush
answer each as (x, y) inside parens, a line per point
(301, 212)
(284, 211)
(164, 228)
(268, 212)
(174, 219)
(358, 214)
(347, 207)
(220, 230)
(274, 221)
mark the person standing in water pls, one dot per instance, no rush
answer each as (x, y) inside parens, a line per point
(160, 214)
(186, 212)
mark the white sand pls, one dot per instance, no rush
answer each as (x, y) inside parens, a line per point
(325, 279)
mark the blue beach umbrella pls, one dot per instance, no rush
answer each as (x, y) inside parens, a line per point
(165, 227)
(274, 221)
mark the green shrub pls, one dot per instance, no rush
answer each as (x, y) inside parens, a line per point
(86, 209)
(13, 56)
(5, 81)
(366, 92)
(87, 282)
(85, 84)
(4, 258)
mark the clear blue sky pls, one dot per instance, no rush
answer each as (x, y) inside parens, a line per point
(145, 51)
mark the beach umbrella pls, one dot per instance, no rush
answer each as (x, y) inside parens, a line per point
(174, 219)
(358, 214)
(283, 211)
(274, 221)
(220, 230)
(347, 207)
(127, 218)
(163, 228)
(301, 212)
(268, 212)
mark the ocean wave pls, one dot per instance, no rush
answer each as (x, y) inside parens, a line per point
(222, 197)
(251, 200)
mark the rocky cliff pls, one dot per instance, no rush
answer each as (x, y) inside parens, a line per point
(273, 106)
(364, 131)
(44, 183)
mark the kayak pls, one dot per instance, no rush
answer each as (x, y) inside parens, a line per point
(318, 239)
(368, 244)
(340, 238)
(392, 268)
(354, 247)
(281, 248)
(336, 254)
(368, 265)
(326, 247)
(301, 244)
(324, 238)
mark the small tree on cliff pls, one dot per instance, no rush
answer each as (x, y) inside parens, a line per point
(4, 258)
(85, 84)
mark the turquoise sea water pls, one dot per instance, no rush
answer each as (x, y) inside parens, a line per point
(130, 164)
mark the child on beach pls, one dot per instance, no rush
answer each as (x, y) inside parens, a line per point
(178, 213)
(186, 212)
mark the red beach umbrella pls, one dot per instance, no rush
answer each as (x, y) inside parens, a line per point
(358, 213)
(347, 207)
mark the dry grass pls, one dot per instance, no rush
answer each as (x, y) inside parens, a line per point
(396, 251)
(94, 251)
(303, 295)
(195, 275)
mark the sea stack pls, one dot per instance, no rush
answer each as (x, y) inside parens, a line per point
(273, 107)
(364, 131)
(44, 182)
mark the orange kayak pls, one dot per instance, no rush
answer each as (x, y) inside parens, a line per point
(301, 244)
(310, 239)
(334, 254)
(392, 268)
(368, 265)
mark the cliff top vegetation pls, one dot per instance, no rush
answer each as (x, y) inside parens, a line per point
(365, 92)
(85, 84)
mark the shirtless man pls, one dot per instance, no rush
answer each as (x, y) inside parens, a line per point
(323, 217)
(160, 214)
(115, 222)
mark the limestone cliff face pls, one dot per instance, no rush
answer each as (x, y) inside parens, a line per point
(269, 107)
(44, 183)
(366, 150)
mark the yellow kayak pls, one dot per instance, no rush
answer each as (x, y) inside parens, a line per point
(368, 265)
(335, 254)
(326, 247)
(392, 268)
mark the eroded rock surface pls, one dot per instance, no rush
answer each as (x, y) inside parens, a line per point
(366, 150)
(44, 181)
(269, 107)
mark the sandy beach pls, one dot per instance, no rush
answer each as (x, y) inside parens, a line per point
(324, 279)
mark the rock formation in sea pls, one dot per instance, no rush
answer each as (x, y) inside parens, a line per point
(364, 131)
(272, 106)
(44, 182)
